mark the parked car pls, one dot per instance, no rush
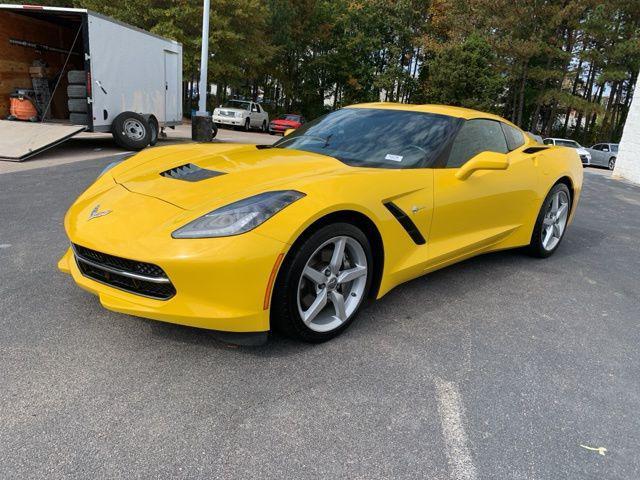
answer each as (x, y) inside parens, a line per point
(604, 154)
(286, 122)
(585, 156)
(298, 235)
(241, 113)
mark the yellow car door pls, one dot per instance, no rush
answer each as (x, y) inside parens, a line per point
(483, 195)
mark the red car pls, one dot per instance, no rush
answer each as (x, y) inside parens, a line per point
(285, 122)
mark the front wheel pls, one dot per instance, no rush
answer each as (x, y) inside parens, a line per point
(551, 222)
(323, 283)
(612, 163)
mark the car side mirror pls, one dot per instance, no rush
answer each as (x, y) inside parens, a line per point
(288, 131)
(483, 161)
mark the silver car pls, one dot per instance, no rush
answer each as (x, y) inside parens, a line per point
(604, 154)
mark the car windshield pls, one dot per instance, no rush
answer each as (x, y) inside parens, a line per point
(241, 104)
(370, 137)
(568, 143)
(292, 118)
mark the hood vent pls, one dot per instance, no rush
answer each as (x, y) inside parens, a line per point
(190, 173)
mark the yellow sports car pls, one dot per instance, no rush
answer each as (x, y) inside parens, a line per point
(298, 235)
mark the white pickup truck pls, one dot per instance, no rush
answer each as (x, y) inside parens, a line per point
(241, 113)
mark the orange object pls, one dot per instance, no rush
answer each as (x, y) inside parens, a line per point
(22, 108)
(272, 279)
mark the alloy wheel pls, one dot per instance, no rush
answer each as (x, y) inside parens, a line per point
(555, 220)
(612, 163)
(332, 284)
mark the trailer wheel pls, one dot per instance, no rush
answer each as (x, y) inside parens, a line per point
(131, 131)
(77, 76)
(77, 91)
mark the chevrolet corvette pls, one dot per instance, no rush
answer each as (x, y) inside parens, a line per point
(297, 236)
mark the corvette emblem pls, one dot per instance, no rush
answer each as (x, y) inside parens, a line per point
(95, 213)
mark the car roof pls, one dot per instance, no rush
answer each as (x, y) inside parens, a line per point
(459, 112)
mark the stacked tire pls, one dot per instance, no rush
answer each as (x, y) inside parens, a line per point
(77, 97)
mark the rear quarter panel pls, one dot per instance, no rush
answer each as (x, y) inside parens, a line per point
(556, 163)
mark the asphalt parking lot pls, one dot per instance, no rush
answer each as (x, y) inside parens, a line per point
(500, 367)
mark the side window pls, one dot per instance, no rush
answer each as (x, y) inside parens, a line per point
(254, 107)
(474, 137)
(597, 147)
(515, 137)
(605, 148)
(547, 141)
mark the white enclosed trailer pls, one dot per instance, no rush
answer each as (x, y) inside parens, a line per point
(103, 75)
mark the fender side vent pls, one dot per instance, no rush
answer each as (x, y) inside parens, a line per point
(406, 223)
(190, 173)
(534, 149)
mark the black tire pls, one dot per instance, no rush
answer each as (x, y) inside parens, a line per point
(131, 131)
(285, 316)
(154, 129)
(612, 163)
(78, 105)
(215, 131)
(247, 125)
(77, 91)
(79, 118)
(536, 248)
(153, 133)
(77, 76)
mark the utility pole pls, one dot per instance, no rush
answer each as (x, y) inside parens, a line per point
(202, 124)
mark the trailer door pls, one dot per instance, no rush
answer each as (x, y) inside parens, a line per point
(21, 140)
(171, 86)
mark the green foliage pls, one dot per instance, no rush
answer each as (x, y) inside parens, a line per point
(555, 67)
(465, 75)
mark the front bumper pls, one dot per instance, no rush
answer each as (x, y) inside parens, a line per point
(224, 120)
(222, 286)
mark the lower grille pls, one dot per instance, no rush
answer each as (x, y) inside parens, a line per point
(132, 276)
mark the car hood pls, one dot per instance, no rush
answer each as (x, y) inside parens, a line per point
(207, 176)
(582, 151)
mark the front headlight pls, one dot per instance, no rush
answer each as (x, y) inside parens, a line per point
(238, 114)
(238, 217)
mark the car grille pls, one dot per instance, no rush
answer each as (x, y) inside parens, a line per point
(132, 276)
(584, 159)
(224, 113)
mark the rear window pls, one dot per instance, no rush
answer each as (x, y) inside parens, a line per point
(514, 137)
(567, 143)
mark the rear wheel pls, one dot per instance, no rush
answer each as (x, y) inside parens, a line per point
(612, 163)
(131, 131)
(323, 283)
(551, 222)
